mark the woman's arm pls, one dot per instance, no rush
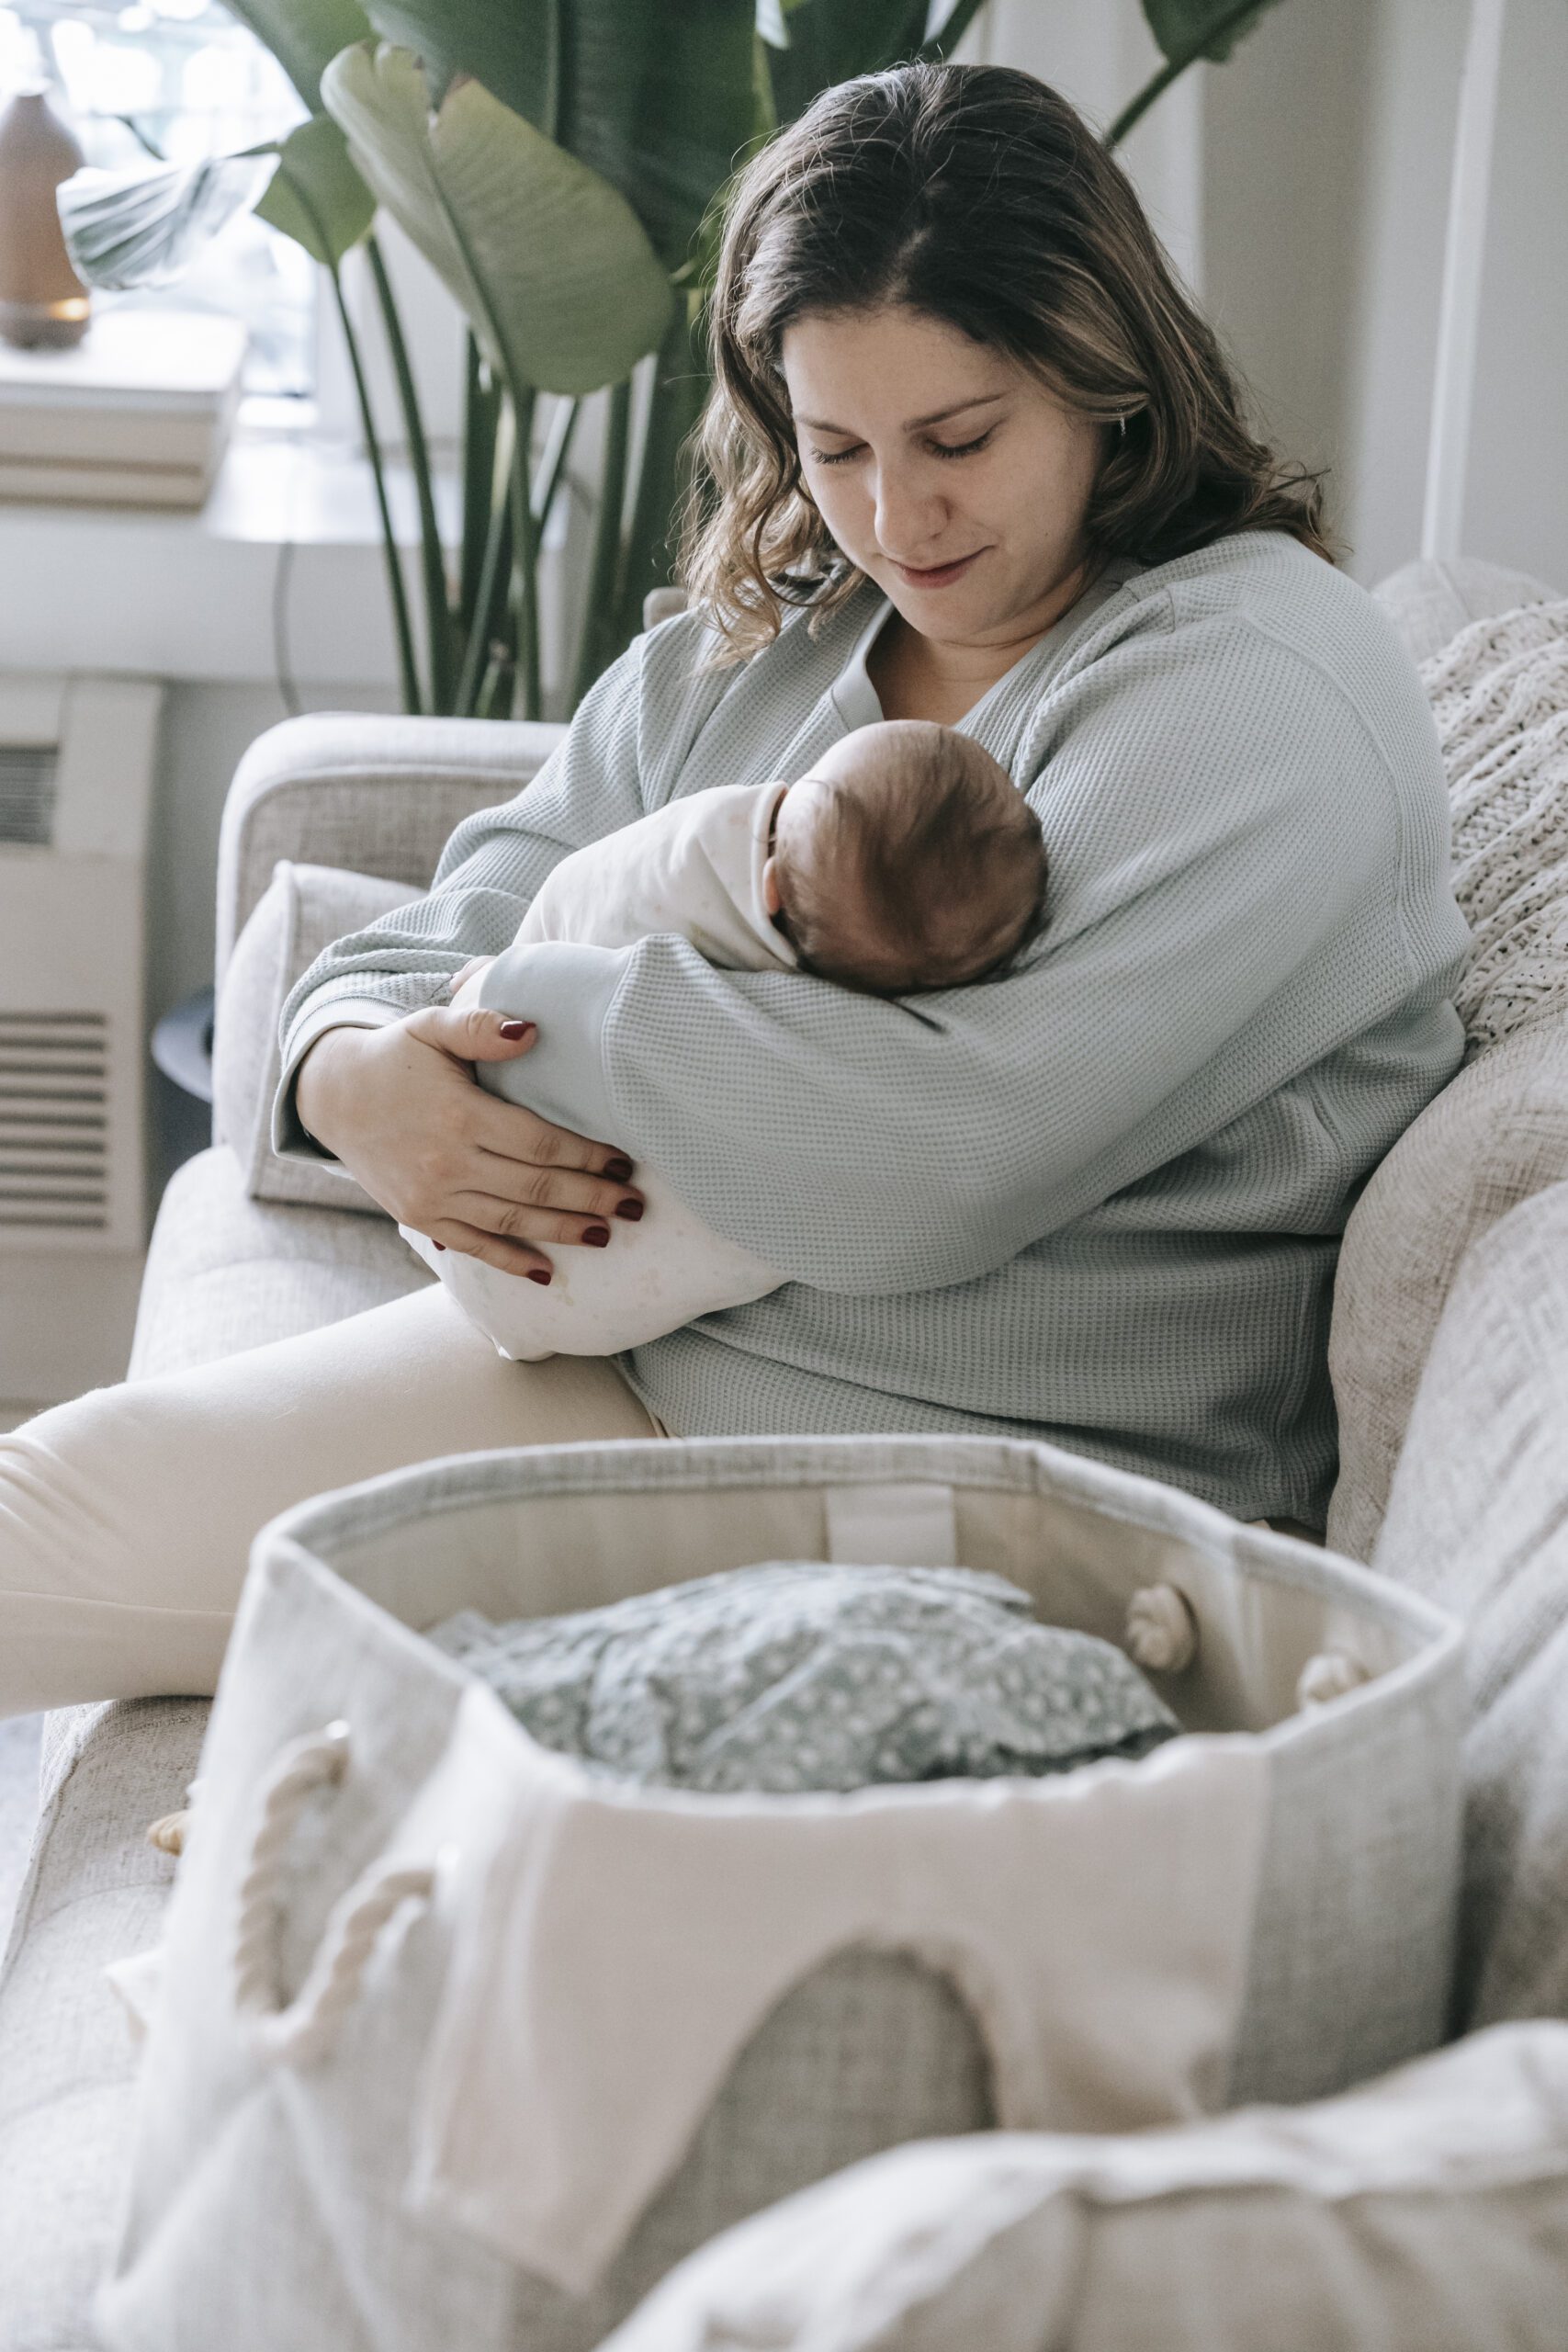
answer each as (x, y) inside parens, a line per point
(380, 1077)
(1226, 912)
(489, 874)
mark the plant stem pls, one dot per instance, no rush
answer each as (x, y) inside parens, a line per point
(596, 621)
(480, 403)
(1234, 20)
(550, 471)
(437, 609)
(525, 555)
(388, 537)
(495, 568)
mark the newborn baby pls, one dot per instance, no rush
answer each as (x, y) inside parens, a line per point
(907, 859)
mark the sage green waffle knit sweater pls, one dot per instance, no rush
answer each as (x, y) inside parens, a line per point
(1097, 1201)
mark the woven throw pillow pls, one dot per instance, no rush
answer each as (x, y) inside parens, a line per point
(1499, 694)
(305, 909)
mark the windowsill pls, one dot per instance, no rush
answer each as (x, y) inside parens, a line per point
(190, 594)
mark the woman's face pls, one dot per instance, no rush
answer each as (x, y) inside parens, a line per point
(944, 471)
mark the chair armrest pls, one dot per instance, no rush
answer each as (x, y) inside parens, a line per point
(379, 794)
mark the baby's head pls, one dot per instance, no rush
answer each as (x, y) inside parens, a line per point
(907, 859)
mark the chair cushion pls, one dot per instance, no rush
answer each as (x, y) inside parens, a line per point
(1429, 2209)
(1478, 1521)
(226, 1271)
(1496, 1135)
(305, 907)
(94, 1893)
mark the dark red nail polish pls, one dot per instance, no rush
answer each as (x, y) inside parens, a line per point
(618, 1169)
(515, 1028)
(537, 1274)
(597, 1237)
(630, 1210)
(438, 1245)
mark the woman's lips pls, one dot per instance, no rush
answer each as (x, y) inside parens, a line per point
(937, 575)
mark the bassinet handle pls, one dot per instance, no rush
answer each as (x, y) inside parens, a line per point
(302, 2030)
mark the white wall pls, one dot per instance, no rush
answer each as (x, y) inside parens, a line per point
(1303, 188)
(1516, 510)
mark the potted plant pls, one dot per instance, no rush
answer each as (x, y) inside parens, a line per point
(563, 168)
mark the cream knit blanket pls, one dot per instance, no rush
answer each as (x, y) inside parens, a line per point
(1499, 693)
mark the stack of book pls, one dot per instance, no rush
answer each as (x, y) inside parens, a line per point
(138, 415)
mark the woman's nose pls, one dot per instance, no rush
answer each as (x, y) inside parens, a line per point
(909, 513)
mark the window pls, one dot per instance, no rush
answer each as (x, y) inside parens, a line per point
(181, 79)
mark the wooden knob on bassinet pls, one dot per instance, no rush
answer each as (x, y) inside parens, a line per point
(1329, 1675)
(1161, 1632)
(169, 1833)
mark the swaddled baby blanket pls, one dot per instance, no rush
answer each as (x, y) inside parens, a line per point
(798, 1675)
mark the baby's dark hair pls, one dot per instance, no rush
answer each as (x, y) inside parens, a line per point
(926, 866)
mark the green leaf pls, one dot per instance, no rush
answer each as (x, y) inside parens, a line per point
(1188, 29)
(304, 36)
(505, 44)
(831, 41)
(548, 260)
(656, 95)
(315, 196)
(124, 229)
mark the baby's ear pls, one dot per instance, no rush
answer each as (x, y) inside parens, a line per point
(771, 897)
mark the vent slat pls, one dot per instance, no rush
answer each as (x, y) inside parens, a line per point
(55, 1131)
(53, 1173)
(39, 1045)
(53, 1135)
(16, 1148)
(56, 1223)
(28, 776)
(87, 1095)
(21, 1184)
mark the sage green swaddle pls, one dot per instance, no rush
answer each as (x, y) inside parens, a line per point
(795, 1675)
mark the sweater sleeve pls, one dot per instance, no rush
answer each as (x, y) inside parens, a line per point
(1226, 911)
(489, 874)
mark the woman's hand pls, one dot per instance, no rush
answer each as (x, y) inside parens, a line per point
(401, 1108)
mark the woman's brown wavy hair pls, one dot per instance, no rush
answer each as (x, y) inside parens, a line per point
(978, 197)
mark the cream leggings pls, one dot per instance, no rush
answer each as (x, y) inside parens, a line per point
(126, 1517)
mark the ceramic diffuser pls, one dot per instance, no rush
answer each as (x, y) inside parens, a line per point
(42, 300)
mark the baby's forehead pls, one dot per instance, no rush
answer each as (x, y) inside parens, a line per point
(899, 754)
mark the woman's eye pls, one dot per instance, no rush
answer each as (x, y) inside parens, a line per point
(961, 448)
(937, 448)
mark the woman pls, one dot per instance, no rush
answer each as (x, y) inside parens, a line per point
(978, 460)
